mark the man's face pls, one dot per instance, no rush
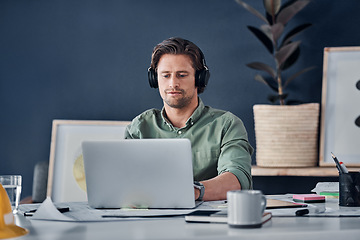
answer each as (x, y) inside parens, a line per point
(176, 78)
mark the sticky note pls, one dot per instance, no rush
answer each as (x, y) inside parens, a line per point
(308, 198)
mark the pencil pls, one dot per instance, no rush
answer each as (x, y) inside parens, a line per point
(337, 163)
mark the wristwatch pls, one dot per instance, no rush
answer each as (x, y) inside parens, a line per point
(201, 187)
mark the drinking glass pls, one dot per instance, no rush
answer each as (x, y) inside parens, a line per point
(12, 185)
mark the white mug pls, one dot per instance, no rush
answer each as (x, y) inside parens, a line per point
(245, 208)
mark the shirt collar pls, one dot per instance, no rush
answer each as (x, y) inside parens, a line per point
(192, 119)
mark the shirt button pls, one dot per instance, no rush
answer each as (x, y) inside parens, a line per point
(179, 132)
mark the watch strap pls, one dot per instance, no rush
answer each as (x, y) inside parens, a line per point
(201, 188)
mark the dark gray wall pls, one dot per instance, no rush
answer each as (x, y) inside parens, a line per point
(87, 59)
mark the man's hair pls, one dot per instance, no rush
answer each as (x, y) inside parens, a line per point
(179, 46)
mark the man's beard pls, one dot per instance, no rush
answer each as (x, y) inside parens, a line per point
(177, 102)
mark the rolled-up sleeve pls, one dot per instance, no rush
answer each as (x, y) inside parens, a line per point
(236, 151)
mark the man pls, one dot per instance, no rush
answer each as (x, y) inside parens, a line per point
(221, 151)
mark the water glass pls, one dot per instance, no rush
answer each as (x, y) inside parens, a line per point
(12, 185)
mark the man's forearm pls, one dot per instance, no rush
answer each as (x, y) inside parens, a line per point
(217, 187)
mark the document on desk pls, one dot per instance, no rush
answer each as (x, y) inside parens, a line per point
(316, 211)
(329, 209)
(81, 212)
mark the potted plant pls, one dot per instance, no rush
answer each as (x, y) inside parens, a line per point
(286, 135)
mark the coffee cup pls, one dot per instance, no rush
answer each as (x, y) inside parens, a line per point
(245, 208)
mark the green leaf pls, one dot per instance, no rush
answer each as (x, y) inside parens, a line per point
(286, 14)
(266, 29)
(297, 74)
(263, 67)
(285, 52)
(252, 10)
(273, 32)
(272, 6)
(277, 29)
(263, 38)
(269, 82)
(288, 37)
(261, 79)
(291, 60)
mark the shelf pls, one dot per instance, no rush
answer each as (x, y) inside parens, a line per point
(298, 171)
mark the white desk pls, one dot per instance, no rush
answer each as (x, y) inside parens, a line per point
(344, 228)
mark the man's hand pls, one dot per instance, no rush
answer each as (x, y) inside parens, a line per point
(217, 187)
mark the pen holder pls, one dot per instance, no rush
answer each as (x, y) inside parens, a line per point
(349, 189)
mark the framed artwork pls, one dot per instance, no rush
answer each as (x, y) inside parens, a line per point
(340, 123)
(66, 178)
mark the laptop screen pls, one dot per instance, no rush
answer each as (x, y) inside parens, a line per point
(140, 173)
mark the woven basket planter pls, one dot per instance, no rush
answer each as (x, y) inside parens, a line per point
(286, 136)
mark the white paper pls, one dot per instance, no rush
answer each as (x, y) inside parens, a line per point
(81, 212)
(48, 211)
(326, 187)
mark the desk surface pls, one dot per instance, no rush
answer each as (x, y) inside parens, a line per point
(176, 228)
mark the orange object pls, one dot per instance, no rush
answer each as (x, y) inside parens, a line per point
(8, 229)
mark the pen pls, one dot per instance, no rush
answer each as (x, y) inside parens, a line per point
(337, 163)
(309, 210)
(343, 167)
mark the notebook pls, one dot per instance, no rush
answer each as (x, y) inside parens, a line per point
(139, 173)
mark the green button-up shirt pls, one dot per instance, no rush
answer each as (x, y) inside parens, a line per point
(218, 139)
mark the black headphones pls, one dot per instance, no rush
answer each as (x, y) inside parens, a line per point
(201, 76)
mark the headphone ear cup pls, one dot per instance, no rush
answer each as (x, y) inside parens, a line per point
(202, 77)
(152, 77)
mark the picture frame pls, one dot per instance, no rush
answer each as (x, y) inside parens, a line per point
(340, 123)
(66, 178)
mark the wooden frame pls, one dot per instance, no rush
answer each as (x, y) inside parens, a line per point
(66, 179)
(340, 130)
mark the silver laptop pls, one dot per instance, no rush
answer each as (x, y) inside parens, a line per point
(141, 173)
